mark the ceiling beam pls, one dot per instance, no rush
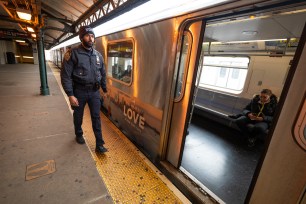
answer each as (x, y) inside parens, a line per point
(108, 15)
(10, 15)
(63, 21)
(17, 20)
(65, 30)
(49, 36)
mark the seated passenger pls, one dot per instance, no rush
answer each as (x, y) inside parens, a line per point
(257, 116)
(126, 76)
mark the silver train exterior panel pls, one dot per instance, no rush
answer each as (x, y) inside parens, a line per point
(150, 115)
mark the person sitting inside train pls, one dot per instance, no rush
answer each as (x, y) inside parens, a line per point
(126, 76)
(257, 116)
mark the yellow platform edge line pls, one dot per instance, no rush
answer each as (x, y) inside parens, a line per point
(156, 189)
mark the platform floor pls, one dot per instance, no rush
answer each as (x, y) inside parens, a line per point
(42, 163)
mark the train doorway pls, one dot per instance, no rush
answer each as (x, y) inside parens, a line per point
(238, 57)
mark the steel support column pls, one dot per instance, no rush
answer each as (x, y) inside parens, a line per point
(44, 88)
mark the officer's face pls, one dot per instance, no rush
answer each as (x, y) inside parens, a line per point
(88, 40)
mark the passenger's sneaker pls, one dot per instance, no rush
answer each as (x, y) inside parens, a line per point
(80, 139)
(251, 141)
(101, 149)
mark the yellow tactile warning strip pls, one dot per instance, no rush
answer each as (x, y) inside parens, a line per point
(128, 177)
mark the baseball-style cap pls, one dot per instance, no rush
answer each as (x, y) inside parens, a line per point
(84, 30)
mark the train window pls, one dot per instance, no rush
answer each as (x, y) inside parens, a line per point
(120, 60)
(183, 64)
(228, 73)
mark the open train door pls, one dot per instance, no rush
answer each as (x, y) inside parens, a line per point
(186, 69)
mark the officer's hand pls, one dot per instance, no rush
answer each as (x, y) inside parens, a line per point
(73, 101)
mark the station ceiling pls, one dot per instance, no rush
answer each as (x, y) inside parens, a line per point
(57, 20)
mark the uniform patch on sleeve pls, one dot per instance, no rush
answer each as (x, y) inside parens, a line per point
(67, 55)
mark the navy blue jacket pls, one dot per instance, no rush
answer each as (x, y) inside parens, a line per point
(82, 67)
(256, 108)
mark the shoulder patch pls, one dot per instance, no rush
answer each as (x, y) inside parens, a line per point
(67, 55)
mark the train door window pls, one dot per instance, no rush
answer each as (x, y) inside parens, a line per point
(120, 60)
(226, 73)
(182, 65)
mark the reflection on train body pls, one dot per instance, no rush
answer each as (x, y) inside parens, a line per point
(188, 73)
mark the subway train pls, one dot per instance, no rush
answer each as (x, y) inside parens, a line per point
(173, 83)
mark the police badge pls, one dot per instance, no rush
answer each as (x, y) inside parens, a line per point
(98, 60)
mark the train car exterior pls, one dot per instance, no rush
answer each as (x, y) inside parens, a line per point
(154, 81)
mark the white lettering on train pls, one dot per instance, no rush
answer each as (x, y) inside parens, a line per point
(132, 115)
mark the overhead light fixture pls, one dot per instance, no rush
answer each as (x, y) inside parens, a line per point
(30, 29)
(21, 41)
(249, 32)
(24, 14)
(33, 35)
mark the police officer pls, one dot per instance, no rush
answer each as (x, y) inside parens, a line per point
(82, 75)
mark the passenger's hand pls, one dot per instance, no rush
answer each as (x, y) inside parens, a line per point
(73, 101)
(259, 118)
(251, 116)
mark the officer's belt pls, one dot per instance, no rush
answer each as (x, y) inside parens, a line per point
(84, 86)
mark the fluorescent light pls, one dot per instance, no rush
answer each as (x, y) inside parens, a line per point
(249, 32)
(30, 29)
(252, 41)
(27, 57)
(148, 12)
(21, 41)
(72, 41)
(152, 11)
(24, 14)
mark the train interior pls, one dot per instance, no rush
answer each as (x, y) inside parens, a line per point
(240, 56)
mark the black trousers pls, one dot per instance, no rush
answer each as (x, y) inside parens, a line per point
(251, 128)
(92, 98)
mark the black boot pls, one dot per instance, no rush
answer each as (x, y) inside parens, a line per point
(101, 149)
(80, 139)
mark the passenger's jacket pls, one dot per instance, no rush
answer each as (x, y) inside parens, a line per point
(82, 67)
(267, 111)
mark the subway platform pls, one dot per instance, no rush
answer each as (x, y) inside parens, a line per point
(40, 162)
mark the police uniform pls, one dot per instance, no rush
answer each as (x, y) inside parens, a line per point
(82, 75)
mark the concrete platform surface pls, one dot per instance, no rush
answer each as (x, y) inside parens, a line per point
(37, 129)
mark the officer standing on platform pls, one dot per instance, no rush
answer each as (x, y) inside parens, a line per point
(82, 75)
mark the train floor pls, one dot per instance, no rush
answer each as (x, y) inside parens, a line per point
(219, 159)
(40, 162)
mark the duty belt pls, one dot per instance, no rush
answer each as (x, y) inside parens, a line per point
(84, 86)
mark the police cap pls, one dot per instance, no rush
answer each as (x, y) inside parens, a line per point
(84, 30)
